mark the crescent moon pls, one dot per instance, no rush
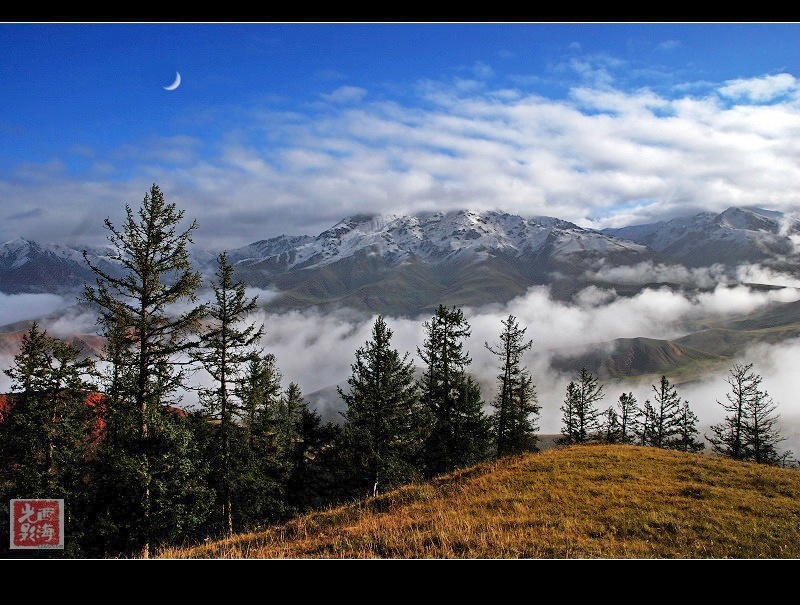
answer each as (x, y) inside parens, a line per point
(176, 83)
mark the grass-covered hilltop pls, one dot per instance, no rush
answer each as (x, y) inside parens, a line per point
(575, 502)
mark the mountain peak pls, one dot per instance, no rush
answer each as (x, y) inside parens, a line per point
(750, 219)
(736, 235)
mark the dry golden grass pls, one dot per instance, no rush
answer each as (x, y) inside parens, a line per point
(578, 502)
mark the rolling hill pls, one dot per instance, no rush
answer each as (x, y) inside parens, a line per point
(637, 357)
(709, 347)
(578, 502)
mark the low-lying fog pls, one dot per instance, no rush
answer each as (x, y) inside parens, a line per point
(316, 350)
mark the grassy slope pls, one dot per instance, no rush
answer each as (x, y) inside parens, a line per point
(590, 501)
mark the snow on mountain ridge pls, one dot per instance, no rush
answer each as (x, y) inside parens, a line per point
(732, 236)
(438, 237)
(17, 252)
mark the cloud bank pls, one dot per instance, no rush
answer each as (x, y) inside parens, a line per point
(19, 307)
(605, 154)
(316, 350)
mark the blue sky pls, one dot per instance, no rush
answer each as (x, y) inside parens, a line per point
(290, 127)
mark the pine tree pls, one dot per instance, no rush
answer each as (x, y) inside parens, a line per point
(292, 407)
(761, 431)
(687, 431)
(317, 475)
(47, 435)
(384, 421)
(157, 275)
(610, 429)
(663, 425)
(646, 426)
(628, 415)
(296, 428)
(471, 427)
(524, 425)
(729, 436)
(580, 420)
(460, 430)
(292, 416)
(259, 392)
(260, 494)
(569, 433)
(516, 405)
(226, 345)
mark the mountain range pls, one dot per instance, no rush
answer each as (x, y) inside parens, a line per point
(408, 264)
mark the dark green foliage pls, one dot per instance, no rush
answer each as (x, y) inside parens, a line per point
(317, 473)
(669, 423)
(259, 392)
(580, 419)
(761, 432)
(729, 435)
(47, 436)
(290, 424)
(610, 427)
(460, 430)
(259, 495)
(687, 431)
(135, 314)
(385, 423)
(663, 417)
(515, 420)
(645, 428)
(180, 498)
(471, 428)
(225, 346)
(628, 415)
(291, 447)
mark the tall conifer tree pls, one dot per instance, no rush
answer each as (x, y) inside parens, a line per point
(460, 430)
(761, 430)
(663, 423)
(48, 433)
(384, 421)
(516, 405)
(685, 439)
(157, 275)
(628, 414)
(580, 419)
(729, 437)
(226, 344)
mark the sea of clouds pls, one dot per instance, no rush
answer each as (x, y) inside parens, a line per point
(315, 349)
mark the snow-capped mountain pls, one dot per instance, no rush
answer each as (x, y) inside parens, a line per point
(730, 237)
(28, 266)
(411, 263)
(435, 238)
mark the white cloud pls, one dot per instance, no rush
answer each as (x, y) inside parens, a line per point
(482, 71)
(20, 307)
(759, 90)
(345, 95)
(316, 350)
(668, 45)
(602, 156)
(264, 295)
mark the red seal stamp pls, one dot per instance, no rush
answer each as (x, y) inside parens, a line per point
(37, 523)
